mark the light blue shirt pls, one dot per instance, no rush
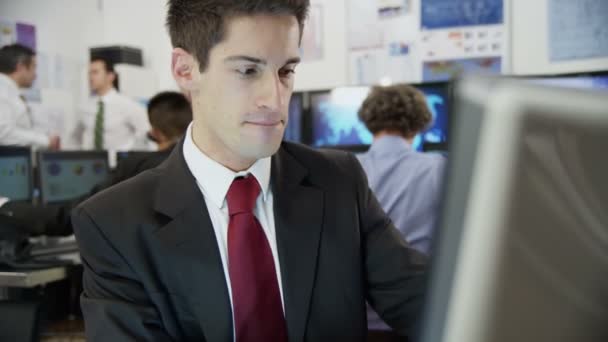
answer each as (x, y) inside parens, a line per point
(407, 184)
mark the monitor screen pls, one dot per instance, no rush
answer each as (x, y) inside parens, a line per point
(124, 155)
(68, 175)
(523, 229)
(293, 131)
(599, 82)
(15, 173)
(336, 122)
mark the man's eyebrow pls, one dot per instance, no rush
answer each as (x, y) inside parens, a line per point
(246, 59)
(239, 58)
(293, 60)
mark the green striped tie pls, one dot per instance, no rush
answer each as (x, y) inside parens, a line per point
(98, 143)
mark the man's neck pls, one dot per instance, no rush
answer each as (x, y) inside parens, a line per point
(392, 134)
(228, 160)
(14, 78)
(103, 92)
(165, 145)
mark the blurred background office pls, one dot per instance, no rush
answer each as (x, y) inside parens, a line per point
(76, 79)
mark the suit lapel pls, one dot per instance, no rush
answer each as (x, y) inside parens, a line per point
(298, 211)
(191, 238)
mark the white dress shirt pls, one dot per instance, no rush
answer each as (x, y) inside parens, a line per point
(125, 123)
(214, 180)
(16, 126)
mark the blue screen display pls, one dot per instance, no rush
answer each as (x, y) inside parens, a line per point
(336, 123)
(63, 178)
(15, 181)
(293, 131)
(438, 14)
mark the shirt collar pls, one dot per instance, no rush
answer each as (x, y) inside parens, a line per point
(388, 144)
(12, 85)
(109, 94)
(214, 178)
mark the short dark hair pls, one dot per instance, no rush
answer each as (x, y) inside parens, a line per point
(198, 25)
(11, 55)
(170, 112)
(399, 108)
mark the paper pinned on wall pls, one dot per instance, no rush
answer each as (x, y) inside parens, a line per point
(438, 14)
(363, 27)
(8, 32)
(480, 41)
(311, 48)
(26, 35)
(433, 71)
(392, 8)
(577, 29)
(392, 64)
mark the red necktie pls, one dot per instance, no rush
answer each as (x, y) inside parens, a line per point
(256, 300)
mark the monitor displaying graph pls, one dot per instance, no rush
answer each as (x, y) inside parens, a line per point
(335, 121)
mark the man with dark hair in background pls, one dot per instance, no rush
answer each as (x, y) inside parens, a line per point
(18, 70)
(237, 236)
(169, 113)
(110, 120)
(407, 183)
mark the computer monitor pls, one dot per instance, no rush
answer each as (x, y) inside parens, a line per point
(67, 175)
(293, 131)
(122, 155)
(16, 173)
(335, 121)
(597, 81)
(522, 247)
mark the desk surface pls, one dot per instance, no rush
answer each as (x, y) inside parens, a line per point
(31, 278)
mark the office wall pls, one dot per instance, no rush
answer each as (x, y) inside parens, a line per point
(64, 31)
(140, 23)
(150, 35)
(530, 42)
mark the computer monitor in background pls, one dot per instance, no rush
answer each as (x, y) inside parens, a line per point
(293, 131)
(123, 155)
(335, 122)
(67, 175)
(597, 81)
(522, 247)
(16, 173)
(334, 117)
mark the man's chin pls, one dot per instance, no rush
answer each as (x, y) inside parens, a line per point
(260, 151)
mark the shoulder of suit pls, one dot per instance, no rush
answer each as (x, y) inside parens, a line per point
(323, 163)
(131, 194)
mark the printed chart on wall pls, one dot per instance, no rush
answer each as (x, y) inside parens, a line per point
(12, 32)
(312, 38)
(462, 36)
(577, 29)
(381, 36)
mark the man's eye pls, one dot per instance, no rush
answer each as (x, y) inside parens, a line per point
(287, 72)
(248, 72)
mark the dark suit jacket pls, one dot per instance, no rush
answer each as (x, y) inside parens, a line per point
(153, 270)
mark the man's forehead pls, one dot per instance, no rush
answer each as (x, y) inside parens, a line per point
(273, 39)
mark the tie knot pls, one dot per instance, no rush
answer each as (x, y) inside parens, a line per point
(242, 195)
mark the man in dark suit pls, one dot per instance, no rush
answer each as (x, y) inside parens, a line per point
(237, 237)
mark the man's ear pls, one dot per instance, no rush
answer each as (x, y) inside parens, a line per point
(185, 69)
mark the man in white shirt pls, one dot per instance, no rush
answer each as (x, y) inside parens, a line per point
(110, 120)
(18, 70)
